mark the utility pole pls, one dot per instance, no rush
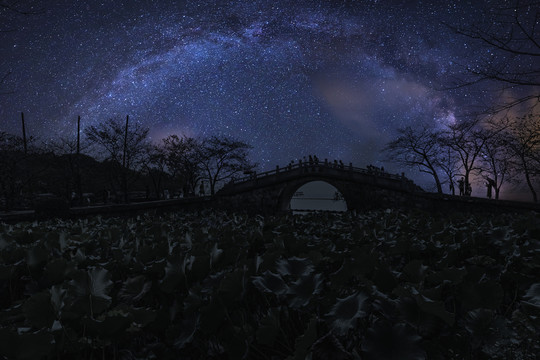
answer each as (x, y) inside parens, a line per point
(77, 162)
(78, 135)
(24, 134)
(124, 170)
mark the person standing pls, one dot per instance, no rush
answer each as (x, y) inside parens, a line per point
(489, 185)
(461, 186)
(468, 191)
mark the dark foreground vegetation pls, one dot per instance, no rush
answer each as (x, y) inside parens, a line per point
(380, 285)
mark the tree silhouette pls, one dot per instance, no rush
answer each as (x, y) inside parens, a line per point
(156, 168)
(523, 142)
(222, 159)
(511, 37)
(496, 162)
(417, 148)
(466, 140)
(448, 162)
(124, 147)
(8, 10)
(183, 159)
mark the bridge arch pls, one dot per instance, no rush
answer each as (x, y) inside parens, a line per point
(271, 191)
(288, 191)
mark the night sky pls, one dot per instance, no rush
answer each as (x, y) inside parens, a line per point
(292, 78)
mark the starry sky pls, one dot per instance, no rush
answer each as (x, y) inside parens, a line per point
(332, 78)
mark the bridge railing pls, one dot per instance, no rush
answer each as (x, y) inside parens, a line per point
(320, 165)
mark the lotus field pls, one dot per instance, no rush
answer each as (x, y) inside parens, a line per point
(384, 284)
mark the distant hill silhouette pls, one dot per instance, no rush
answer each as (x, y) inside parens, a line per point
(47, 174)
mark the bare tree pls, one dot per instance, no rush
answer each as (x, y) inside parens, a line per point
(222, 159)
(417, 148)
(448, 162)
(184, 162)
(19, 7)
(523, 141)
(156, 168)
(8, 11)
(496, 158)
(467, 140)
(511, 37)
(124, 147)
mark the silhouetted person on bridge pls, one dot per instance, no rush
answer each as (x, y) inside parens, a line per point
(461, 186)
(468, 191)
(452, 189)
(493, 184)
(316, 159)
(490, 184)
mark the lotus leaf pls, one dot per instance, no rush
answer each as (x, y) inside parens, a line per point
(346, 311)
(294, 267)
(215, 254)
(533, 295)
(57, 299)
(302, 291)
(174, 276)
(270, 282)
(485, 328)
(134, 289)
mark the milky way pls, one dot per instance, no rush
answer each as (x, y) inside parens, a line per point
(332, 78)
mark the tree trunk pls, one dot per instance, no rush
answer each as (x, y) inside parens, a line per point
(529, 183)
(438, 183)
(435, 177)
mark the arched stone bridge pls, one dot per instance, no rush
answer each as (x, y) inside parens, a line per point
(271, 191)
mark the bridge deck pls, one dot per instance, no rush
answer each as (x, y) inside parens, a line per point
(315, 169)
